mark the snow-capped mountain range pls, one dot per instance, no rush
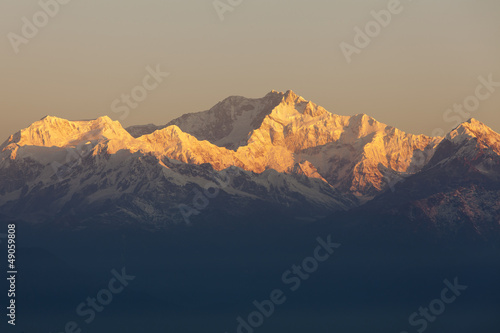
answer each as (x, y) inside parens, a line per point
(280, 152)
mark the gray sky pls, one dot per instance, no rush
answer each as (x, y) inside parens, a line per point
(91, 52)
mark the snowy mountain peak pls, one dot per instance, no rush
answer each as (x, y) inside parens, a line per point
(231, 121)
(292, 98)
(474, 129)
(477, 127)
(227, 124)
(280, 143)
(282, 130)
(57, 132)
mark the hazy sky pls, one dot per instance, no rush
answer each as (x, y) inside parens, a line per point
(92, 51)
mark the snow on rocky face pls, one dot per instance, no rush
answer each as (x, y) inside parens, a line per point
(355, 154)
(481, 134)
(56, 132)
(227, 124)
(327, 160)
(458, 190)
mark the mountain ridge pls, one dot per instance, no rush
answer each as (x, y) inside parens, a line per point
(283, 129)
(346, 161)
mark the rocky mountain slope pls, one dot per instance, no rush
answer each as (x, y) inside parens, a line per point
(281, 150)
(458, 189)
(282, 130)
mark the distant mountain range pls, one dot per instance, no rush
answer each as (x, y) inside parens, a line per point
(280, 153)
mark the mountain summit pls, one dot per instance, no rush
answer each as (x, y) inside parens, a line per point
(354, 154)
(474, 129)
(56, 132)
(229, 122)
(281, 150)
